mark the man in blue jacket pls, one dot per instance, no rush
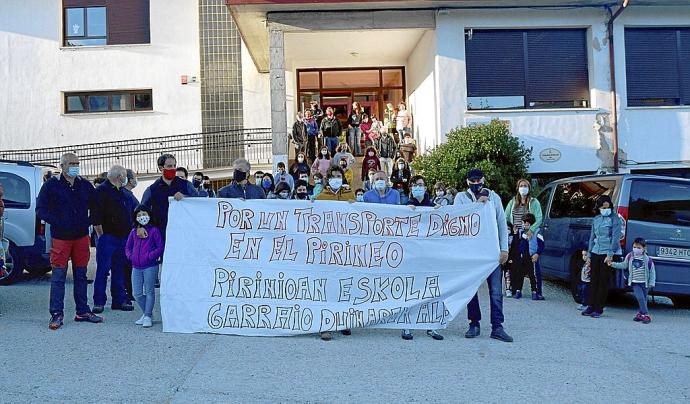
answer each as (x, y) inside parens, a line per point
(64, 202)
(240, 186)
(381, 192)
(476, 192)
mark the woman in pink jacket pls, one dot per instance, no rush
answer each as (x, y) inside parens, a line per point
(322, 163)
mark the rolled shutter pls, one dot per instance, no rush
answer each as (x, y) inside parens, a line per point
(557, 65)
(128, 22)
(495, 64)
(684, 47)
(651, 64)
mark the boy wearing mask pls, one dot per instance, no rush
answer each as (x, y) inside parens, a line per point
(370, 162)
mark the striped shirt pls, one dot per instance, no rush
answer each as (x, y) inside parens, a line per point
(638, 274)
(518, 212)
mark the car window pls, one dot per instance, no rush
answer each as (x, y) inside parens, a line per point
(577, 199)
(17, 191)
(660, 202)
(543, 198)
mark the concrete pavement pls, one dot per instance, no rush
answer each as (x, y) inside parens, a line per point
(558, 355)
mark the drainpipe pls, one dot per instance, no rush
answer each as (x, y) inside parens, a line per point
(614, 98)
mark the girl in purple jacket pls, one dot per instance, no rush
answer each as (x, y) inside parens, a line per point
(144, 254)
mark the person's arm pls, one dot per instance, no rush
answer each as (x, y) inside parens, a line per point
(590, 244)
(190, 191)
(146, 198)
(616, 228)
(502, 224)
(157, 251)
(509, 211)
(623, 264)
(129, 246)
(535, 207)
(44, 206)
(540, 244)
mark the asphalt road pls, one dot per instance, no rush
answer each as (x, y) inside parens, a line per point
(557, 356)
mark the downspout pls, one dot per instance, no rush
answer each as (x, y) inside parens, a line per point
(614, 96)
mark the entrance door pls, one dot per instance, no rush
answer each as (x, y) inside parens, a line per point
(369, 101)
(341, 102)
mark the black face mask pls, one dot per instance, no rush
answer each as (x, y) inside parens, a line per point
(239, 175)
(302, 195)
(476, 187)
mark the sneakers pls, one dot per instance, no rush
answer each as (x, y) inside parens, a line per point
(509, 293)
(517, 294)
(122, 307)
(596, 314)
(88, 317)
(646, 319)
(434, 334)
(56, 321)
(326, 336)
(98, 309)
(406, 335)
(539, 297)
(535, 296)
(147, 322)
(638, 317)
(140, 321)
(501, 335)
(587, 312)
(582, 307)
(346, 331)
(473, 331)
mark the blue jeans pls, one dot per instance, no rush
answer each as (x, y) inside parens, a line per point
(57, 290)
(332, 144)
(143, 288)
(640, 291)
(110, 259)
(474, 313)
(355, 135)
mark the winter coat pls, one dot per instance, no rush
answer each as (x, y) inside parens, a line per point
(144, 252)
(322, 166)
(386, 146)
(299, 132)
(330, 127)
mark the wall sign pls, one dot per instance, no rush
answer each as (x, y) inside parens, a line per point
(550, 155)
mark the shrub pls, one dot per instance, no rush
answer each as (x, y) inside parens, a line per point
(491, 147)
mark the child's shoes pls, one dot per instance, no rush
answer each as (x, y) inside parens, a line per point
(646, 319)
(638, 317)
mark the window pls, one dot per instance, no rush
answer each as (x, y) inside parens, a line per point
(85, 26)
(657, 66)
(577, 199)
(111, 101)
(660, 202)
(543, 198)
(17, 191)
(535, 68)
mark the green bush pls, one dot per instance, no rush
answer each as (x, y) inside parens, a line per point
(491, 147)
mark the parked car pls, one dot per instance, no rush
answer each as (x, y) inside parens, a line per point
(653, 207)
(28, 248)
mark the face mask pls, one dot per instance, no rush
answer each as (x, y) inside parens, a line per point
(418, 191)
(196, 183)
(284, 195)
(638, 251)
(258, 181)
(440, 193)
(523, 191)
(360, 198)
(169, 173)
(476, 187)
(371, 154)
(73, 171)
(124, 182)
(380, 185)
(335, 183)
(305, 179)
(300, 159)
(605, 211)
(180, 176)
(266, 184)
(143, 220)
(317, 181)
(133, 183)
(302, 195)
(239, 176)
(401, 166)
(343, 165)
(207, 186)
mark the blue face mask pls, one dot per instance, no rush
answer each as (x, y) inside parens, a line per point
(418, 192)
(476, 187)
(196, 183)
(73, 171)
(266, 184)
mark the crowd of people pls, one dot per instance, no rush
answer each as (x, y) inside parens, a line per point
(131, 234)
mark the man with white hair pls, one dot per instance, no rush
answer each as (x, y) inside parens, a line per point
(111, 215)
(240, 186)
(64, 203)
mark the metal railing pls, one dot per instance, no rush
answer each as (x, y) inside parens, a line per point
(194, 151)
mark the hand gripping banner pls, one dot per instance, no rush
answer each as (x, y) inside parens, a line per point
(274, 268)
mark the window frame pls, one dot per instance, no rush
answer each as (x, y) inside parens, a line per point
(123, 93)
(66, 37)
(11, 204)
(636, 206)
(528, 103)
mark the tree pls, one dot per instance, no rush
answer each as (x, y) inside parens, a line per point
(491, 147)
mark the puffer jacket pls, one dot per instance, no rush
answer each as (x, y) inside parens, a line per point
(144, 252)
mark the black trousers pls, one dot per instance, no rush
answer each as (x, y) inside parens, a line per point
(128, 280)
(599, 284)
(311, 148)
(523, 267)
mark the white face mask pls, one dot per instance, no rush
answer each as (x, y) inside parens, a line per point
(335, 183)
(523, 191)
(143, 220)
(401, 166)
(300, 159)
(605, 211)
(284, 195)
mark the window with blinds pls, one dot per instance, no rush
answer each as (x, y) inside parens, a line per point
(657, 66)
(102, 22)
(522, 69)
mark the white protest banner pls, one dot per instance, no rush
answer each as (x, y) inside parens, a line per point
(272, 267)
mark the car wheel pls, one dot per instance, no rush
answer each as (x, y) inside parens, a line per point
(681, 302)
(13, 265)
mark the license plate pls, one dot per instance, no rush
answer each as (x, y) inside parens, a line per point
(673, 252)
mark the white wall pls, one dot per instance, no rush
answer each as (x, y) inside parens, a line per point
(656, 133)
(36, 70)
(421, 89)
(256, 94)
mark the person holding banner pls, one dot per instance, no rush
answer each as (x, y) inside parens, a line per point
(240, 186)
(301, 191)
(476, 192)
(381, 192)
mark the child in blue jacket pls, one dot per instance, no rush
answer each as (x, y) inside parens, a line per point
(641, 276)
